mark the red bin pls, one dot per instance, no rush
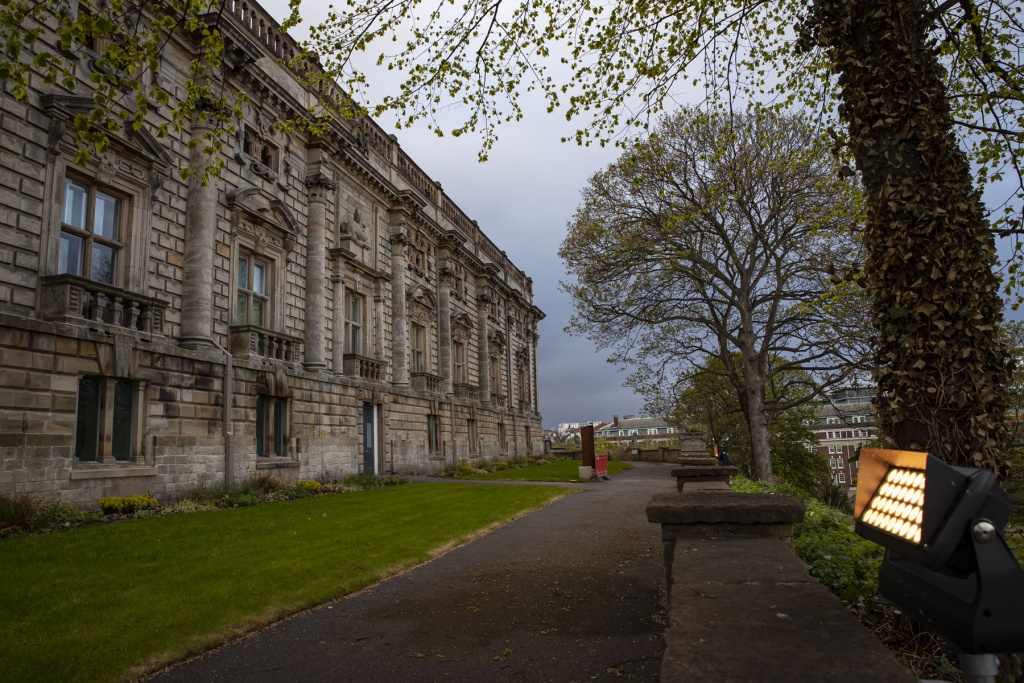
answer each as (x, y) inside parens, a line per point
(600, 464)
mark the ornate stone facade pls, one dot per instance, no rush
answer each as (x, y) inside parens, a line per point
(320, 309)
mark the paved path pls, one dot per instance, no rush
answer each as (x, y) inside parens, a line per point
(573, 592)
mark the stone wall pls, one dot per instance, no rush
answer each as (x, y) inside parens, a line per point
(243, 327)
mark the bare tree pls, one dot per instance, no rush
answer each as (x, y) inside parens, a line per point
(709, 239)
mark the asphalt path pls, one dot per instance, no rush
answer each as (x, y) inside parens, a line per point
(572, 592)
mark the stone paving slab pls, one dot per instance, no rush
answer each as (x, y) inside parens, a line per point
(573, 592)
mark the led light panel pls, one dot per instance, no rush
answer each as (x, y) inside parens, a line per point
(898, 505)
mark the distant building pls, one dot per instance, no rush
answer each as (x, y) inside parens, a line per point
(842, 423)
(632, 429)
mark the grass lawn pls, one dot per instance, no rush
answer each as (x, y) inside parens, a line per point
(563, 470)
(109, 602)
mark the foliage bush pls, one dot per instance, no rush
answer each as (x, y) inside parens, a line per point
(308, 487)
(126, 505)
(500, 465)
(841, 560)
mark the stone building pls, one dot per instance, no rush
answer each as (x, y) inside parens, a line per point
(842, 424)
(322, 308)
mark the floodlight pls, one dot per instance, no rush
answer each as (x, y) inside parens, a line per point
(946, 562)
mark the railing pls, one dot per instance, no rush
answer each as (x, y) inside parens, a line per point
(250, 340)
(70, 298)
(408, 169)
(362, 367)
(498, 400)
(257, 22)
(424, 381)
(525, 406)
(467, 392)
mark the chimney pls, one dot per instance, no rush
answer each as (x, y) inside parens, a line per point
(615, 421)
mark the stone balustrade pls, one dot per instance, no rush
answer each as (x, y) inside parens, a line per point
(467, 392)
(703, 473)
(424, 381)
(369, 369)
(498, 400)
(73, 299)
(252, 341)
(741, 605)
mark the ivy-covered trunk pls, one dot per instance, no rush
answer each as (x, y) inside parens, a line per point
(941, 368)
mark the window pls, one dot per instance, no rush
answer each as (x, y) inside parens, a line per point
(831, 435)
(841, 477)
(671, 430)
(105, 420)
(502, 444)
(419, 345)
(354, 309)
(832, 463)
(529, 443)
(91, 232)
(524, 388)
(832, 420)
(433, 442)
(652, 432)
(474, 443)
(459, 362)
(811, 448)
(495, 375)
(271, 426)
(259, 149)
(834, 448)
(252, 305)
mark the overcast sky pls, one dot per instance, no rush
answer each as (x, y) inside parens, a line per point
(522, 197)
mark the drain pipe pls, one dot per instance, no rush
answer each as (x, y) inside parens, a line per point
(227, 386)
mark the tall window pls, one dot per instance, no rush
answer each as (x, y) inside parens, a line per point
(495, 374)
(99, 415)
(419, 346)
(90, 234)
(271, 426)
(354, 309)
(502, 442)
(524, 389)
(474, 442)
(252, 305)
(433, 434)
(459, 362)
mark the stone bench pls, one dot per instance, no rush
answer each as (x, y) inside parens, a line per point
(743, 607)
(706, 473)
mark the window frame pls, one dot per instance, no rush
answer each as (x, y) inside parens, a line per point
(433, 434)
(354, 340)
(417, 347)
(459, 362)
(112, 429)
(273, 412)
(87, 235)
(266, 296)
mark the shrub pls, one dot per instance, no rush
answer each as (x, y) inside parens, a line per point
(126, 505)
(56, 516)
(18, 509)
(499, 465)
(841, 560)
(309, 487)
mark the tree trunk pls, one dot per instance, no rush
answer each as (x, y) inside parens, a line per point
(757, 420)
(941, 368)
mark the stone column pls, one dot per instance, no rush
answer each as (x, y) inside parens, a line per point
(399, 313)
(200, 231)
(533, 370)
(446, 277)
(483, 344)
(378, 320)
(316, 270)
(338, 281)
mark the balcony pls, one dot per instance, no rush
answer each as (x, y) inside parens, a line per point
(369, 369)
(498, 400)
(424, 381)
(467, 392)
(73, 299)
(250, 341)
